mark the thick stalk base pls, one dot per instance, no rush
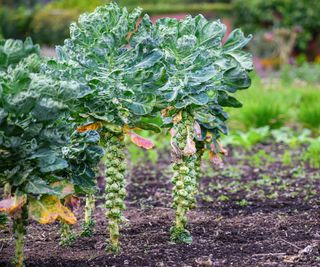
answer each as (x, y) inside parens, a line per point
(88, 224)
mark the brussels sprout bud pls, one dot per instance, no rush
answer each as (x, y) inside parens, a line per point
(179, 184)
(184, 169)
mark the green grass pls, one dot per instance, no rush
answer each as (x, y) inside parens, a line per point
(309, 111)
(276, 104)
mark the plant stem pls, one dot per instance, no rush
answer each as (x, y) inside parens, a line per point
(6, 190)
(184, 180)
(19, 229)
(67, 237)
(115, 184)
(89, 223)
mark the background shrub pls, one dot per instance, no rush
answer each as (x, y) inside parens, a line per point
(254, 15)
(51, 25)
(15, 23)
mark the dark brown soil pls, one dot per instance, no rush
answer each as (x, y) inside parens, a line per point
(253, 212)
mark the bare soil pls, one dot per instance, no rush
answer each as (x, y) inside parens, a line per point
(253, 212)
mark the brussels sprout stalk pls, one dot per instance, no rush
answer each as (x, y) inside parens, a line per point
(19, 229)
(6, 190)
(115, 184)
(89, 223)
(185, 177)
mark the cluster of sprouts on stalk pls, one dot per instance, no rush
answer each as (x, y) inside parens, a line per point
(115, 74)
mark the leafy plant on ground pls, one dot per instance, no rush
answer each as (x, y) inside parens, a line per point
(247, 139)
(309, 111)
(41, 166)
(115, 69)
(200, 75)
(312, 154)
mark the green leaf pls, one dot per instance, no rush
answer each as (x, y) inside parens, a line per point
(141, 105)
(39, 187)
(243, 58)
(148, 126)
(47, 109)
(228, 101)
(236, 40)
(235, 79)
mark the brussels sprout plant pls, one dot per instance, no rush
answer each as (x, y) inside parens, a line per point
(42, 166)
(201, 72)
(31, 140)
(116, 71)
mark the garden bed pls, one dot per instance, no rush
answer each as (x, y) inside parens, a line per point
(251, 213)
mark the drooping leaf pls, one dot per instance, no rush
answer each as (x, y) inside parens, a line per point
(190, 148)
(48, 209)
(13, 204)
(140, 141)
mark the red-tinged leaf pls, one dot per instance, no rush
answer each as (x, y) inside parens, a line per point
(91, 126)
(222, 150)
(177, 118)
(140, 141)
(48, 209)
(13, 204)
(197, 130)
(72, 202)
(173, 132)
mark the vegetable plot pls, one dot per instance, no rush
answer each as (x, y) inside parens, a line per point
(113, 76)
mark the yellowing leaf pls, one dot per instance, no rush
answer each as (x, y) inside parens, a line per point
(164, 112)
(140, 141)
(177, 118)
(49, 209)
(13, 204)
(64, 188)
(91, 126)
(127, 129)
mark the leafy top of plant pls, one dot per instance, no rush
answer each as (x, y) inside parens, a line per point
(12, 51)
(202, 71)
(116, 70)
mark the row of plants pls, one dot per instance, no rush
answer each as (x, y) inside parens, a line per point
(111, 78)
(34, 20)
